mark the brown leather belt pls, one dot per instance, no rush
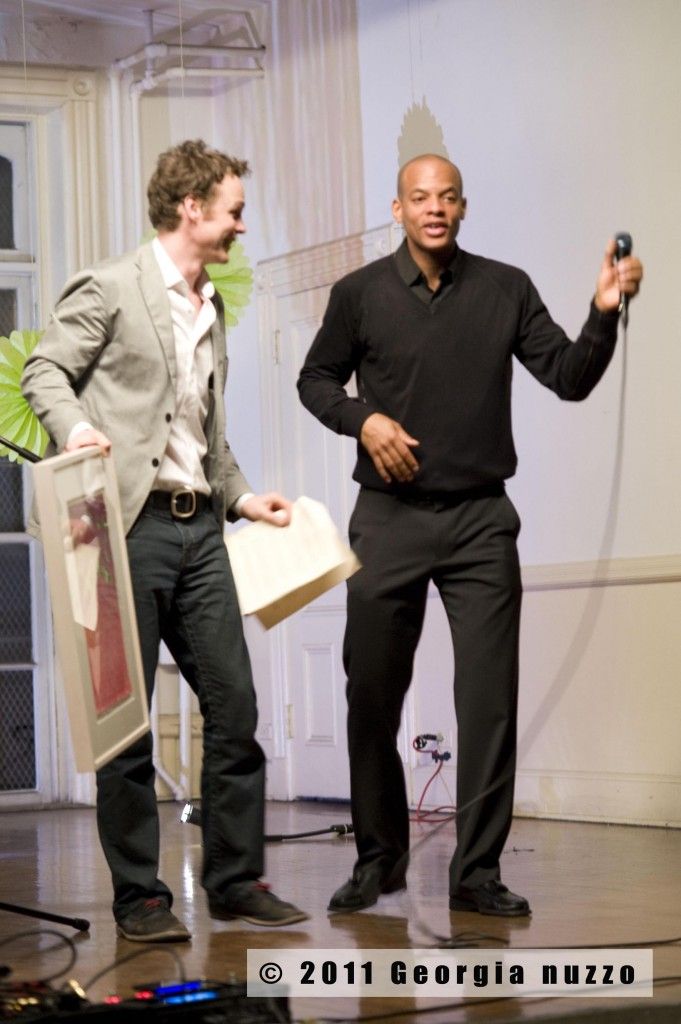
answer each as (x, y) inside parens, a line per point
(182, 503)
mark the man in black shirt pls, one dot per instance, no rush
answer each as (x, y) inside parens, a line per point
(430, 333)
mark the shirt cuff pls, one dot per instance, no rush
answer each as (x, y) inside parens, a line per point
(237, 505)
(603, 315)
(601, 325)
(81, 425)
(353, 417)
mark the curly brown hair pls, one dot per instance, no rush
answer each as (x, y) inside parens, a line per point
(189, 169)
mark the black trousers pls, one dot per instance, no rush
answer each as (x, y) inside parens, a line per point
(468, 548)
(184, 594)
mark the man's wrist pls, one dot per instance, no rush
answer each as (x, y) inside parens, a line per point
(600, 311)
(601, 307)
(238, 505)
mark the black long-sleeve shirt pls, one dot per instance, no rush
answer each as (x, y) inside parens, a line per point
(443, 368)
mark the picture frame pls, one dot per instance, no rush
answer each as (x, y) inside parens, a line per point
(95, 625)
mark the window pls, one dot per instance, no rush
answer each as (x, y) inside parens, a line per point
(6, 204)
(17, 311)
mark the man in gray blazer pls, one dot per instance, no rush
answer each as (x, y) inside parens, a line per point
(133, 360)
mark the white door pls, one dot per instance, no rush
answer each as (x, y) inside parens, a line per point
(303, 457)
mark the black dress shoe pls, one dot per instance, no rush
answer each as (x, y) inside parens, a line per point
(490, 898)
(364, 888)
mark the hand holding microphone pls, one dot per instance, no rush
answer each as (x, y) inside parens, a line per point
(619, 278)
(624, 246)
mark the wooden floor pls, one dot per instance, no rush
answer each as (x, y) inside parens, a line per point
(588, 885)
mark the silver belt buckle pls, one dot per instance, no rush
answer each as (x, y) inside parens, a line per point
(178, 493)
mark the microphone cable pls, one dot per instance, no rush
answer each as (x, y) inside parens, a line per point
(191, 815)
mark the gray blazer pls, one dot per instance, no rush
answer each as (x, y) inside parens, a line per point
(108, 357)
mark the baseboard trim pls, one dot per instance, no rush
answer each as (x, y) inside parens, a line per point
(606, 573)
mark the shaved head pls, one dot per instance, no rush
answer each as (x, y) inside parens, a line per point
(406, 170)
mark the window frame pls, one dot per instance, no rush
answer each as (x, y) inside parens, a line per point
(63, 111)
(20, 271)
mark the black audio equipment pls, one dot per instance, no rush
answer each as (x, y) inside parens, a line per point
(198, 1002)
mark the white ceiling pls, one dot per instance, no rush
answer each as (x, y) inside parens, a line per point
(129, 12)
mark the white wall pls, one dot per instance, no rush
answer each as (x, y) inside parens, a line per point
(564, 118)
(300, 128)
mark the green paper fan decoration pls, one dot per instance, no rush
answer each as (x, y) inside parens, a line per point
(18, 422)
(233, 281)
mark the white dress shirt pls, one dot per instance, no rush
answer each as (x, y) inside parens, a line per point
(181, 465)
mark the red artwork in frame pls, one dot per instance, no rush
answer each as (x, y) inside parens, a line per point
(93, 610)
(109, 673)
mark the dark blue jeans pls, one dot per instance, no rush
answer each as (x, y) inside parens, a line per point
(184, 595)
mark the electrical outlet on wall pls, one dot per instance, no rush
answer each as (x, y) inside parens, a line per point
(428, 744)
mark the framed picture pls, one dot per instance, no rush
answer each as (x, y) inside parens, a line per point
(92, 604)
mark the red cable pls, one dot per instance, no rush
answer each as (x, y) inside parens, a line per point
(422, 816)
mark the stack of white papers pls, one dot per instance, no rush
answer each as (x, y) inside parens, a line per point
(279, 569)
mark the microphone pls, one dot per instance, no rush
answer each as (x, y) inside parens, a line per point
(624, 246)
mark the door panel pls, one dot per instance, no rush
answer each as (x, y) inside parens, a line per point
(303, 457)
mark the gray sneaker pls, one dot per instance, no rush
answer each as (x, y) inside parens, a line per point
(152, 921)
(255, 903)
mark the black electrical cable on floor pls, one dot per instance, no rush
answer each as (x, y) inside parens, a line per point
(191, 815)
(64, 941)
(135, 955)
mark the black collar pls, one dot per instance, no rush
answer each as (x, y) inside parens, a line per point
(412, 274)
